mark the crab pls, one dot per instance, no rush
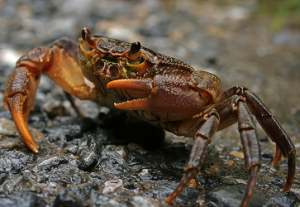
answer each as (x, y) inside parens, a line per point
(156, 88)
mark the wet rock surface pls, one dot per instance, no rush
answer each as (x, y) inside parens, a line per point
(110, 159)
(21, 199)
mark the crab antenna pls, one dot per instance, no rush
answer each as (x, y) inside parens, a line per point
(135, 51)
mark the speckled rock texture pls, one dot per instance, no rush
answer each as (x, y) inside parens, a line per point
(110, 159)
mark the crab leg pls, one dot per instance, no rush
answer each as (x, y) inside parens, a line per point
(230, 110)
(22, 85)
(277, 135)
(251, 148)
(204, 137)
(270, 126)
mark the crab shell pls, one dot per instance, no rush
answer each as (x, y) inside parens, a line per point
(169, 88)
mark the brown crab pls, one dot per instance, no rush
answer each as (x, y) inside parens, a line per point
(154, 87)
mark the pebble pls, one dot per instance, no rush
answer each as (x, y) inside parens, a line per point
(13, 161)
(144, 174)
(241, 181)
(232, 196)
(139, 201)
(237, 154)
(90, 155)
(111, 186)
(21, 199)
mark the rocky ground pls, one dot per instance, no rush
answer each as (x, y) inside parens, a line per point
(110, 159)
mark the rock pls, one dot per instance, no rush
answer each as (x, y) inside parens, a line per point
(112, 162)
(139, 201)
(3, 176)
(76, 179)
(71, 149)
(188, 195)
(89, 156)
(21, 199)
(145, 175)
(111, 186)
(68, 198)
(107, 201)
(47, 164)
(13, 161)
(55, 108)
(230, 196)
(286, 199)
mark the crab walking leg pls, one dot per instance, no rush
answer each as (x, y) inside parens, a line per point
(204, 137)
(71, 100)
(276, 133)
(21, 86)
(270, 126)
(251, 148)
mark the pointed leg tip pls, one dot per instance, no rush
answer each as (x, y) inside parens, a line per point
(169, 199)
(32, 146)
(35, 149)
(16, 102)
(287, 187)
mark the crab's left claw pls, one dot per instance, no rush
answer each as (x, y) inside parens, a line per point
(19, 101)
(16, 103)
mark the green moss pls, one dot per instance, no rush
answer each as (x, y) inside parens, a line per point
(282, 12)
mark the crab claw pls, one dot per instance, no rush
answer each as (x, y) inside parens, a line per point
(132, 84)
(19, 100)
(16, 103)
(143, 85)
(162, 93)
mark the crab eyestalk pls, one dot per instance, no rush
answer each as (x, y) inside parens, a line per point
(134, 53)
(87, 36)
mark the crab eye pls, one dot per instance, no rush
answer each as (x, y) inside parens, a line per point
(83, 34)
(134, 53)
(135, 47)
(200, 94)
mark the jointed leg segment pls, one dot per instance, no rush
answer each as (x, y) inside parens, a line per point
(277, 135)
(236, 103)
(270, 126)
(251, 148)
(204, 137)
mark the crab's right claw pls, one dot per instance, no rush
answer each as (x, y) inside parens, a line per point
(20, 92)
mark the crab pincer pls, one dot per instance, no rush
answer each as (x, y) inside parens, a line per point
(19, 102)
(21, 87)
